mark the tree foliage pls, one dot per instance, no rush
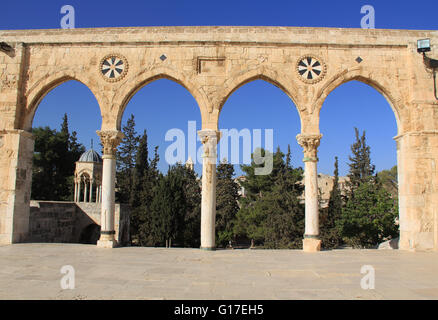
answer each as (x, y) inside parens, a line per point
(370, 212)
(361, 169)
(389, 180)
(370, 217)
(271, 214)
(227, 197)
(164, 208)
(126, 156)
(174, 213)
(329, 233)
(55, 155)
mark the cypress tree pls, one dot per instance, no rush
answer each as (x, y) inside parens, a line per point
(369, 213)
(169, 206)
(135, 190)
(272, 214)
(126, 156)
(64, 125)
(288, 157)
(361, 169)
(54, 158)
(190, 233)
(227, 196)
(330, 217)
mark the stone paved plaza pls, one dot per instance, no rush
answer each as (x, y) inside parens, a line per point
(32, 271)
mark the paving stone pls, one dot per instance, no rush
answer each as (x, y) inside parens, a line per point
(32, 271)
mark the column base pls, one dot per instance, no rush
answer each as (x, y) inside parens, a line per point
(106, 243)
(107, 240)
(311, 245)
(208, 248)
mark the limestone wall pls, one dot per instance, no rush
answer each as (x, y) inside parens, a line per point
(59, 221)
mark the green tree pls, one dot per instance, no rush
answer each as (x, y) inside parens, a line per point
(190, 231)
(227, 196)
(64, 125)
(169, 207)
(285, 223)
(55, 154)
(370, 217)
(140, 172)
(370, 212)
(251, 218)
(142, 192)
(257, 185)
(138, 197)
(330, 235)
(72, 151)
(361, 169)
(126, 160)
(272, 214)
(389, 180)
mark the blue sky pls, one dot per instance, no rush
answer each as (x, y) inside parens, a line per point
(256, 105)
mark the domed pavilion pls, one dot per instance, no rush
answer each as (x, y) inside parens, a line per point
(88, 177)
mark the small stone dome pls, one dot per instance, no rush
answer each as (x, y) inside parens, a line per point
(90, 156)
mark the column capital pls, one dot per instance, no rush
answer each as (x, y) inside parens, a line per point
(310, 144)
(110, 140)
(209, 139)
(209, 135)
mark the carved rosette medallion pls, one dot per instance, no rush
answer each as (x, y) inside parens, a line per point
(113, 67)
(310, 144)
(311, 69)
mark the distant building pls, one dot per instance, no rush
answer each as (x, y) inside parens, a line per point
(88, 177)
(325, 186)
(190, 164)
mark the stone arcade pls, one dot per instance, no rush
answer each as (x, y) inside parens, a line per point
(211, 63)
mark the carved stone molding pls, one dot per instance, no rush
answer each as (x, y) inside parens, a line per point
(110, 140)
(9, 82)
(204, 64)
(310, 144)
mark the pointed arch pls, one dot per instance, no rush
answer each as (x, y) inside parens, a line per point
(274, 77)
(43, 86)
(145, 77)
(392, 96)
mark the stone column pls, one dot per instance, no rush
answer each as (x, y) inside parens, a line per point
(85, 190)
(209, 139)
(76, 191)
(91, 191)
(310, 143)
(79, 190)
(97, 194)
(110, 139)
